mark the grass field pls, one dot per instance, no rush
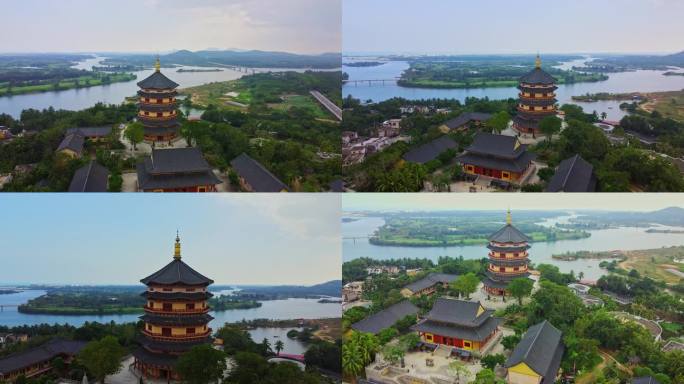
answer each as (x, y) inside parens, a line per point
(216, 94)
(655, 263)
(669, 104)
(300, 101)
(83, 82)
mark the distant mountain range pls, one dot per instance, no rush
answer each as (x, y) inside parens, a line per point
(207, 58)
(645, 61)
(331, 288)
(673, 216)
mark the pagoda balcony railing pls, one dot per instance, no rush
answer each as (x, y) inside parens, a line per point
(143, 102)
(536, 97)
(509, 273)
(539, 111)
(158, 118)
(511, 245)
(178, 338)
(177, 311)
(520, 256)
(536, 86)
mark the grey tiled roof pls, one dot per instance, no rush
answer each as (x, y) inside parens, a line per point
(518, 165)
(175, 168)
(541, 348)
(72, 141)
(92, 131)
(44, 353)
(573, 175)
(157, 80)
(538, 76)
(385, 318)
(478, 333)
(256, 175)
(177, 272)
(509, 234)
(430, 280)
(466, 118)
(503, 146)
(645, 380)
(429, 151)
(458, 312)
(92, 177)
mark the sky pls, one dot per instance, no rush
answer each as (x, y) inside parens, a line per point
(515, 201)
(505, 26)
(158, 26)
(121, 238)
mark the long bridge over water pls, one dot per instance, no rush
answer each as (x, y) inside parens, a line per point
(371, 81)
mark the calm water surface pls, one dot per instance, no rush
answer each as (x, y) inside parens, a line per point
(78, 99)
(624, 238)
(641, 81)
(272, 309)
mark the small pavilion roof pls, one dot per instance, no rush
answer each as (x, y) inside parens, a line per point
(73, 141)
(429, 151)
(573, 175)
(256, 175)
(385, 318)
(541, 349)
(430, 280)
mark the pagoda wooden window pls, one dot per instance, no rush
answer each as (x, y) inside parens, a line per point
(149, 327)
(168, 289)
(190, 289)
(502, 269)
(166, 331)
(516, 269)
(159, 114)
(190, 331)
(168, 306)
(515, 254)
(190, 306)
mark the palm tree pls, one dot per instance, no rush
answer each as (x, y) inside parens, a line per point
(604, 115)
(580, 275)
(352, 361)
(279, 346)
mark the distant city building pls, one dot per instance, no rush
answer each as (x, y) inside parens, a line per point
(464, 325)
(413, 271)
(537, 357)
(176, 317)
(37, 361)
(537, 99)
(508, 258)
(430, 151)
(157, 106)
(428, 285)
(72, 145)
(348, 137)
(389, 269)
(499, 157)
(5, 133)
(386, 318)
(176, 170)
(254, 177)
(573, 175)
(91, 177)
(352, 291)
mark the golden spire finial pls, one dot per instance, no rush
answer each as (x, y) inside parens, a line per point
(157, 65)
(177, 252)
(509, 219)
(537, 62)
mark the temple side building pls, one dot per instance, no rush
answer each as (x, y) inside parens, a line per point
(499, 157)
(157, 106)
(508, 258)
(386, 318)
(536, 100)
(176, 317)
(428, 285)
(176, 170)
(464, 325)
(537, 357)
(37, 361)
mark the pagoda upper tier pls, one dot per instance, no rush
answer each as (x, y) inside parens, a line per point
(508, 258)
(536, 100)
(157, 106)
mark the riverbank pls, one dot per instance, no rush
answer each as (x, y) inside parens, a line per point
(328, 329)
(603, 255)
(75, 311)
(658, 264)
(94, 80)
(536, 237)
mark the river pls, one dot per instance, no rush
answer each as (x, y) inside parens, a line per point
(623, 238)
(271, 309)
(623, 82)
(82, 98)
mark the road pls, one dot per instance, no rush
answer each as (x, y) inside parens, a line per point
(329, 105)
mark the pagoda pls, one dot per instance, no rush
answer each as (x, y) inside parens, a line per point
(157, 106)
(508, 258)
(176, 317)
(537, 99)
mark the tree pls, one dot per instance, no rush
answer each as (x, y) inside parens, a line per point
(458, 369)
(201, 365)
(520, 287)
(491, 361)
(466, 284)
(102, 358)
(279, 346)
(352, 361)
(509, 342)
(135, 133)
(498, 122)
(487, 376)
(550, 126)
(604, 115)
(393, 353)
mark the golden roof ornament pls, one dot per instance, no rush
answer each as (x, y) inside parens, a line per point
(157, 65)
(177, 248)
(537, 62)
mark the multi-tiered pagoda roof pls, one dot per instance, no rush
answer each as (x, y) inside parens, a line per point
(537, 99)
(508, 258)
(176, 317)
(157, 106)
